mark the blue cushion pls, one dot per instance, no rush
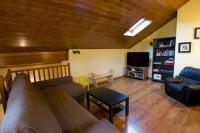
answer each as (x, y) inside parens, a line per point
(190, 72)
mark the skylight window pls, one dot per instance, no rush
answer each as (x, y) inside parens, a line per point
(138, 27)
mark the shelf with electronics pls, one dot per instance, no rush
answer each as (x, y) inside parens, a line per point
(137, 65)
(137, 72)
(163, 58)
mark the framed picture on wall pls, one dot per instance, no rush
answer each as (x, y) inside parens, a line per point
(184, 47)
(197, 33)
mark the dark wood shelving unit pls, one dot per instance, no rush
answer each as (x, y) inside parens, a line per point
(163, 58)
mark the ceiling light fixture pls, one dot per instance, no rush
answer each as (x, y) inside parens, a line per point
(138, 27)
(22, 42)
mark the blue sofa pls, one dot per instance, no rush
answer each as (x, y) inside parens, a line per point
(185, 87)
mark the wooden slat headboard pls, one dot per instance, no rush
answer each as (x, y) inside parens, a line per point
(35, 75)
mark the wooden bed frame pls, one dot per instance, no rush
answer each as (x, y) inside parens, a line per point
(35, 75)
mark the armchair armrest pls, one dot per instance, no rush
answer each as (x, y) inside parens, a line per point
(177, 79)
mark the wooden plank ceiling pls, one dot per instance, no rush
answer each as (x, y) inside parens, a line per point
(57, 25)
(31, 58)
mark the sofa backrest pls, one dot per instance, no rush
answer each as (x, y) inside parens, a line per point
(53, 82)
(27, 110)
(191, 73)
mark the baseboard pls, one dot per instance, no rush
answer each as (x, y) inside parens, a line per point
(148, 78)
(119, 77)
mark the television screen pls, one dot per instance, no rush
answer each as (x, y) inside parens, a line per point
(138, 59)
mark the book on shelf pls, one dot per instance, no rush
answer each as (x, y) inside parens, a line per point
(157, 63)
(157, 70)
(166, 71)
(169, 61)
(164, 53)
(167, 44)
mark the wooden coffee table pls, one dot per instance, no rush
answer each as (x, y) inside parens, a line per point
(104, 96)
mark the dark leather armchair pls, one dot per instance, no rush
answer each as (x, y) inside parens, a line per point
(185, 87)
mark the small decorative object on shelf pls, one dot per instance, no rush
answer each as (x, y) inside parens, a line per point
(163, 58)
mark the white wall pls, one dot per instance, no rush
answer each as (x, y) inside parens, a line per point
(97, 61)
(188, 19)
(168, 30)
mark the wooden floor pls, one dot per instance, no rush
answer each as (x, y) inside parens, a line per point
(151, 110)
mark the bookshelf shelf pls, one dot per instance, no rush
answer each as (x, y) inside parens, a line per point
(163, 58)
(164, 65)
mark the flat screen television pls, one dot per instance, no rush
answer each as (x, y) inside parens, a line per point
(138, 59)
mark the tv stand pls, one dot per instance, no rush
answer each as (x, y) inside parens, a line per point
(137, 72)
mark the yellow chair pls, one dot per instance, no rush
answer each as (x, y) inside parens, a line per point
(83, 81)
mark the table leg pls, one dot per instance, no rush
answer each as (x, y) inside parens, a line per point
(127, 106)
(110, 114)
(88, 101)
(95, 83)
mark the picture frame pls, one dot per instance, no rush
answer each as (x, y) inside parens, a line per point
(197, 33)
(184, 47)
